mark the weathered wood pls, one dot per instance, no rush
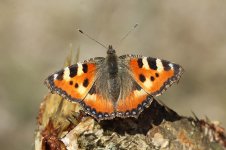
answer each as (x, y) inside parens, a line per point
(158, 127)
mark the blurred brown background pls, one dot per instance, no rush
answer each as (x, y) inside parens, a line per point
(35, 38)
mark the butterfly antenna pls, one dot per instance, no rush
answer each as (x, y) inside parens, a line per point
(87, 35)
(132, 29)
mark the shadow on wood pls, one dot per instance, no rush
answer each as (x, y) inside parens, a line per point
(153, 115)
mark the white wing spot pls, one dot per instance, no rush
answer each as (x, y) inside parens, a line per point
(81, 89)
(66, 74)
(55, 76)
(80, 72)
(148, 83)
(91, 97)
(145, 63)
(171, 66)
(159, 65)
(139, 93)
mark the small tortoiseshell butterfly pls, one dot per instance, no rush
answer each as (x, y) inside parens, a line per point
(115, 86)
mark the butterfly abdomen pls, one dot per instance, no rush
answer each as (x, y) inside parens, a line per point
(113, 80)
(112, 65)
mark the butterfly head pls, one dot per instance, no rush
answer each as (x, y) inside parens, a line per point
(110, 50)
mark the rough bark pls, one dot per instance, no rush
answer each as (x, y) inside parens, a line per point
(62, 125)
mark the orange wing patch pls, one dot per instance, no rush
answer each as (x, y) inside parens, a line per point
(154, 75)
(99, 107)
(73, 82)
(133, 104)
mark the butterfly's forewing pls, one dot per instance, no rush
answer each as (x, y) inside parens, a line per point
(77, 83)
(152, 74)
(73, 82)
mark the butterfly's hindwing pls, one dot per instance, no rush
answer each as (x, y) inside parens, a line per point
(133, 103)
(132, 99)
(98, 106)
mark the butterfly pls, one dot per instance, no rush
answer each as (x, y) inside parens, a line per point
(114, 86)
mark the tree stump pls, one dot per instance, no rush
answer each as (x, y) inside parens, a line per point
(63, 125)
